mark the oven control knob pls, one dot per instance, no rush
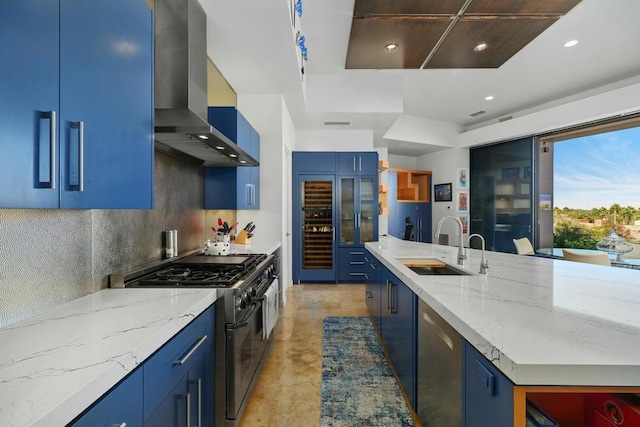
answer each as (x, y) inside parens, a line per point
(252, 292)
(242, 301)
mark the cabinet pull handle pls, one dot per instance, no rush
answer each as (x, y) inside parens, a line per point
(360, 164)
(356, 263)
(120, 425)
(248, 193)
(187, 398)
(359, 253)
(394, 309)
(193, 348)
(438, 330)
(80, 126)
(388, 296)
(51, 115)
(198, 384)
(253, 192)
(354, 163)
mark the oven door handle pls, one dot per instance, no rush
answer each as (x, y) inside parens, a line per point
(243, 323)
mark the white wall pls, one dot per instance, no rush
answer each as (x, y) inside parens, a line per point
(444, 166)
(334, 140)
(268, 114)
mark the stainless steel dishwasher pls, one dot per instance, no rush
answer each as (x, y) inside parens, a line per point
(439, 371)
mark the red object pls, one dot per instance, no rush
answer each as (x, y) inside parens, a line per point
(220, 222)
(611, 410)
(214, 229)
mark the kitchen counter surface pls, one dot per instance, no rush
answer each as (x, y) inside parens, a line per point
(540, 321)
(254, 248)
(56, 364)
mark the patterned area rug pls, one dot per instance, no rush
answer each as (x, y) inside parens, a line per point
(358, 386)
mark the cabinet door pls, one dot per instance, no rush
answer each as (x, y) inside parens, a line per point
(488, 393)
(121, 405)
(29, 104)
(358, 163)
(313, 161)
(399, 305)
(233, 187)
(348, 226)
(367, 209)
(106, 104)
(373, 288)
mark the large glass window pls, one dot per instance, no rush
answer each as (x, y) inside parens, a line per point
(502, 193)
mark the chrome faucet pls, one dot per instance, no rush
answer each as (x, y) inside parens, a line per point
(461, 253)
(484, 266)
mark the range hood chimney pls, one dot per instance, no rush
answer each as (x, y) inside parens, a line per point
(181, 126)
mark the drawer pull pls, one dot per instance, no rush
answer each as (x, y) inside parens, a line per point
(193, 348)
(486, 378)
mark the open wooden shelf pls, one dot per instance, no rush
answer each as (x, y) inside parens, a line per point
(413, 185)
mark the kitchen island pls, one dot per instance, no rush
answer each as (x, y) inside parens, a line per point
(547, 325)
(56, 364)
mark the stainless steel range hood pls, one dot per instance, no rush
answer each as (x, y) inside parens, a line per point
(181, 127)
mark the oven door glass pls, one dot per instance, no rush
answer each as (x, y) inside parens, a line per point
(245, 347)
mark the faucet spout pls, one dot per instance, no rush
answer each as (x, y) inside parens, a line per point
(461, 252)
(484, 265)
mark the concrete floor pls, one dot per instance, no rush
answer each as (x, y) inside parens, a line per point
(287, 392)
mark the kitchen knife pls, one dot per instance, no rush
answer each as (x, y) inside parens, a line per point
(248, 226)
(226, 227)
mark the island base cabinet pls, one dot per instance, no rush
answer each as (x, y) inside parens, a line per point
(488, 394)
(122, 405)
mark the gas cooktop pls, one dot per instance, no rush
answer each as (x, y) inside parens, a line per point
(202, 270)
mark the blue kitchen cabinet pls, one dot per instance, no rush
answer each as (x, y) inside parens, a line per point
(234, 187)
(420, 214)
(123, 404)
(76, 110)
(488, 393)
(334, 215)
(178, 379)
(358, 224)
(314, 161)
(357, 163)
(399, 330)
(373, 289)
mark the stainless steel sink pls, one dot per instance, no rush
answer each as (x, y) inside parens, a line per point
(433, 267)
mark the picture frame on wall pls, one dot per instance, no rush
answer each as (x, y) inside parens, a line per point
(442, 192)
(463, 201)
(464, 220)
(511, 173)
(462, 178)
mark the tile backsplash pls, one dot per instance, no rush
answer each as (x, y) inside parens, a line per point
(49, 256)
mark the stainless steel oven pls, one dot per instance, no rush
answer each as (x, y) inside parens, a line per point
(241, 341)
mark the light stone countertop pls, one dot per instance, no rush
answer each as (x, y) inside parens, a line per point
(56, 364)
(540, 321)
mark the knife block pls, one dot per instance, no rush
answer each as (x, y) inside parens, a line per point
(243, 238)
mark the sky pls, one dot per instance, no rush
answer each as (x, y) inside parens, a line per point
(597, 171)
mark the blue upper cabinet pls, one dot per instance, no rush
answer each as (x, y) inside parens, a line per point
(234, 187)
(76, 112)
(357, 163)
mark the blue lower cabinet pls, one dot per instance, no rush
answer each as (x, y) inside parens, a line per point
(488, 394)
(123, 404)
(351, 265)
(399, 330)
(170, 375)
(373, 289)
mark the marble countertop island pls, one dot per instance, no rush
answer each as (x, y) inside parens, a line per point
(56, 364)
(540, 321)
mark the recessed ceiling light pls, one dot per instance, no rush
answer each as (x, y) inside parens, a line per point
(219, 147)
(480, 47)
(488, 98)
(233, 155)
(203, 137)
(391, 47)
(571, 43)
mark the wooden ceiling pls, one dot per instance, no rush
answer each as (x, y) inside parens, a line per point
(444, 33)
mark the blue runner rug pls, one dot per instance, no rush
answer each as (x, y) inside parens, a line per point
(358, 386)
